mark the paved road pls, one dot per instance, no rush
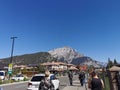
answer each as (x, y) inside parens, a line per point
(16, 86)
(64, 81)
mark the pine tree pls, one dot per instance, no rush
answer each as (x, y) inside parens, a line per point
(110, 64)
(115, 62)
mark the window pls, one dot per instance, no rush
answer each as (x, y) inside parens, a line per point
(52, 77)
(37, 78)
(1, 74)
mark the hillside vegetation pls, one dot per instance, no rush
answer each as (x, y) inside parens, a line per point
(26, 59)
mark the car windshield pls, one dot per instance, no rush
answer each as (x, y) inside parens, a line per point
(1, 74)
(19, 75)
(37, 78)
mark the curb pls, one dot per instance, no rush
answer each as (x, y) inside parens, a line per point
(13, 83)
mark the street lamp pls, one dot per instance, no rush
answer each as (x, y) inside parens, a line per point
(10, 65)
(13, 38)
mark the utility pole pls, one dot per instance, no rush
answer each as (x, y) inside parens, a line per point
(13, 38)
(11, 59)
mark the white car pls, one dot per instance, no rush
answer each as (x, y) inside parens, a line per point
(33, 84)
(2, 75)
(19, 77)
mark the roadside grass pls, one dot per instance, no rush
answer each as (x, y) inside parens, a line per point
(12, 81)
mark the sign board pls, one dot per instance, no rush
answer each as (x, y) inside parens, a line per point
(10, 68)
(9, 72)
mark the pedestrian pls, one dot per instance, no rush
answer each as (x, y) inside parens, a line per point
(117, 80)
(96, 83)
(46, 83)
(82, 78)
(70, 75)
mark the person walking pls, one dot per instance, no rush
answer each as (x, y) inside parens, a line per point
(117, 81)
(96, 83)
(70, 75)
(46, 83)
(82, 78)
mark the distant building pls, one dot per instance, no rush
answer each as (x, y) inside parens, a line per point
(83, 67)
(56, 66)
(59, 66)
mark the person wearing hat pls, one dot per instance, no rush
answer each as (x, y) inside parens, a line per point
(46, 83)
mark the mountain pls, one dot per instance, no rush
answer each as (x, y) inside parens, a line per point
(35, 58)
(86, 61)
(69, 55)
(65, 54)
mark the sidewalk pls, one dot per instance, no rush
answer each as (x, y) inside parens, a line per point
(76, 86)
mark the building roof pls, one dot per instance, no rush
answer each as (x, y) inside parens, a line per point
(54, 63)
(73, 68)
(114, 68)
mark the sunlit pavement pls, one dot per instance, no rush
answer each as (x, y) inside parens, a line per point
(76, 86)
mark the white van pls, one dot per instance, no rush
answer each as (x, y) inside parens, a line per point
(2, 75)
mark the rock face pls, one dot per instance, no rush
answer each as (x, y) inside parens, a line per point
(86, 61)
(66, 54)
(69, 55)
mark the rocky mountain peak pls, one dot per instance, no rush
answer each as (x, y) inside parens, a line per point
(65, 54)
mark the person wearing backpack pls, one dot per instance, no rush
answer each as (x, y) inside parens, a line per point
(46, 83)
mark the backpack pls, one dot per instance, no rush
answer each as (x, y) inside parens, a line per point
(46, 85)
(82, 75)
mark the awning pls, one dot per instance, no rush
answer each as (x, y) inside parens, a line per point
(114, 68)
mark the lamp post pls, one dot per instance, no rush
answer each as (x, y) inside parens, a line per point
(13, 38)
(10, 65)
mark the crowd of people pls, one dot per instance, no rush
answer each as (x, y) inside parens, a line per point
(94, 81)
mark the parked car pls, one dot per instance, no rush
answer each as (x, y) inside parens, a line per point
(2, 75)
(18, 77)
(33, 84)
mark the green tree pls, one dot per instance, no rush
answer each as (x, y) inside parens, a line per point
(110, 64)
(115, 62)
(41, 69)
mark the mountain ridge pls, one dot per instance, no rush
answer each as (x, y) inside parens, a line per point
(65, 54)
(70, 55)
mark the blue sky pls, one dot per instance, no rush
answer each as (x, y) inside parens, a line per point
(92, 27)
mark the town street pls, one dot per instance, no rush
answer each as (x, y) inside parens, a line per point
(64, 81)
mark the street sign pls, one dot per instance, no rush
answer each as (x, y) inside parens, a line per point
(10, 68)
(9, 72)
